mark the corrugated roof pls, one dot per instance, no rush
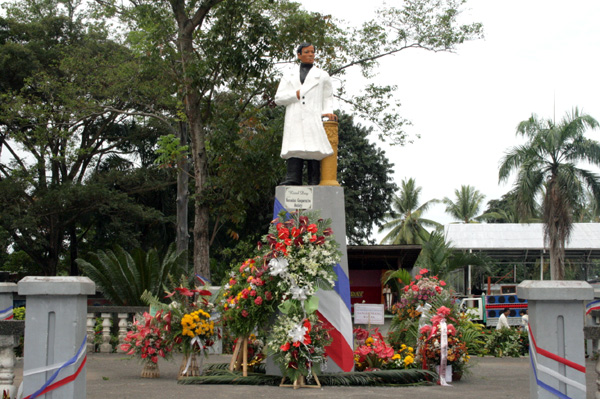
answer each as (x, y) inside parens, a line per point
(517, 236)
(511, 240)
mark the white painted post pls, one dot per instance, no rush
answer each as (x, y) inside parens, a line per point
(91, 323)
(55, 331)
(105, 346)
(556, 316)
(7, 343)
(122, 330)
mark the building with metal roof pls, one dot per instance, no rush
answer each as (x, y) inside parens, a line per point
(513, 242)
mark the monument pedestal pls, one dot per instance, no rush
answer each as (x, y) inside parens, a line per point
(334, 305)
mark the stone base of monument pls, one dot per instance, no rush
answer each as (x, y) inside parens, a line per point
(334, 305)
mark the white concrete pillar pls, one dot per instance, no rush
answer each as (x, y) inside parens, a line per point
(556, 317)
(7, 342)
(55, 331)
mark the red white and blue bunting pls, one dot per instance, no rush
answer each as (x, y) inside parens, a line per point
(534, 351)
(79, 360)
(6, 314)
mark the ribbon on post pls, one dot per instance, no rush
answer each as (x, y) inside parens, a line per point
(443, 352)
(534, 350)
(189, 358)
(6, 314)
(49, 385)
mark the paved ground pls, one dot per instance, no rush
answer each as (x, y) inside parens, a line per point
(113, 376)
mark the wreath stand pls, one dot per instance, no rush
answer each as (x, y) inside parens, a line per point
(239, 360)
(301, 383)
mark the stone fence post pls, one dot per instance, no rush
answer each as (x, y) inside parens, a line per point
(7, 340)
(556, 318)
(55, 333)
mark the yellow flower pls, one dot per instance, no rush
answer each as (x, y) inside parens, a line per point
(410, 349)
(408, 360)
(369, 341)
(396, 356)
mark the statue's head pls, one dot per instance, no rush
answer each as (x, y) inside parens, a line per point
(306, 53)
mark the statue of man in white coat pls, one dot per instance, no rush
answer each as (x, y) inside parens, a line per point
(307, 94)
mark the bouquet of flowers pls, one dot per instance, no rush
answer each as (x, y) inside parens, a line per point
(302, 254)
(430, 341)
(372, 352)
(407, 311)
(248, 298)
(298, 345)
(147, 338)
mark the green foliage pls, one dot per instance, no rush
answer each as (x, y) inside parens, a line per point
(467, 204)
(366, 175)
(19, 313)
(170, 151)
(438, 256)
(506, 342)
(405, 220)
(123, 277)
(547, 165)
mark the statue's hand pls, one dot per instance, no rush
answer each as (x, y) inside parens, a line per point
(331, 117)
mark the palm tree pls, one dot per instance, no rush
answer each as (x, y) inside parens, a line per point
(122, 277)
(467, 204)
(504, 210)
(546, 166)
(404, 221)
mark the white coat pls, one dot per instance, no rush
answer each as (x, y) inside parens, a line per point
(303, 133)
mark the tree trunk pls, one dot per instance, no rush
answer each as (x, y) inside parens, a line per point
(197, 137)
(182, 194)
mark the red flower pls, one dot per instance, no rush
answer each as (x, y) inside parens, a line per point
(313, 238)
(361, 334)
(312, 228)
(244, 313)
(442, 283)
(295, 232)
(327, 232)
(245, 293)
(285, 347)
(297, 344)
(253, 293)
(231, 281)
(423, 271)
(258, 301)
(268, 295)
(418, 277)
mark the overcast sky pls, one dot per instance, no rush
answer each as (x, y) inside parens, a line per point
(537, 56)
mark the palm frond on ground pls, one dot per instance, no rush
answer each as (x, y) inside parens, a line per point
(218, 375)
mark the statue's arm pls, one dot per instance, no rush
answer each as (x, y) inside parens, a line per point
(328, 98)
(286, 93)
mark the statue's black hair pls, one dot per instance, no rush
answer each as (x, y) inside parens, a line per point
(302, 45)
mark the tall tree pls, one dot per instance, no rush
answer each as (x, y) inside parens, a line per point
(366, 175)
(467, 203)
(547, 165)
(216, 46)
(405, 221)
(61, 74)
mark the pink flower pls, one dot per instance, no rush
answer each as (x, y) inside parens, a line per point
(244, 313)
(443, 311)
(258, 301)
(418, 277)
(451, 329)
(253, 293)
(361, 334)
(423, 271)
(415, 288)
(442, 283)
(363, 350)
(425, 329)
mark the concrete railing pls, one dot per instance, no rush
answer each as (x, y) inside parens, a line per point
(120, 316)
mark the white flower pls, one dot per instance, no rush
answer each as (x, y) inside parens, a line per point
(297, 333)
(227, 286)
(298, 293)
(278, 266)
